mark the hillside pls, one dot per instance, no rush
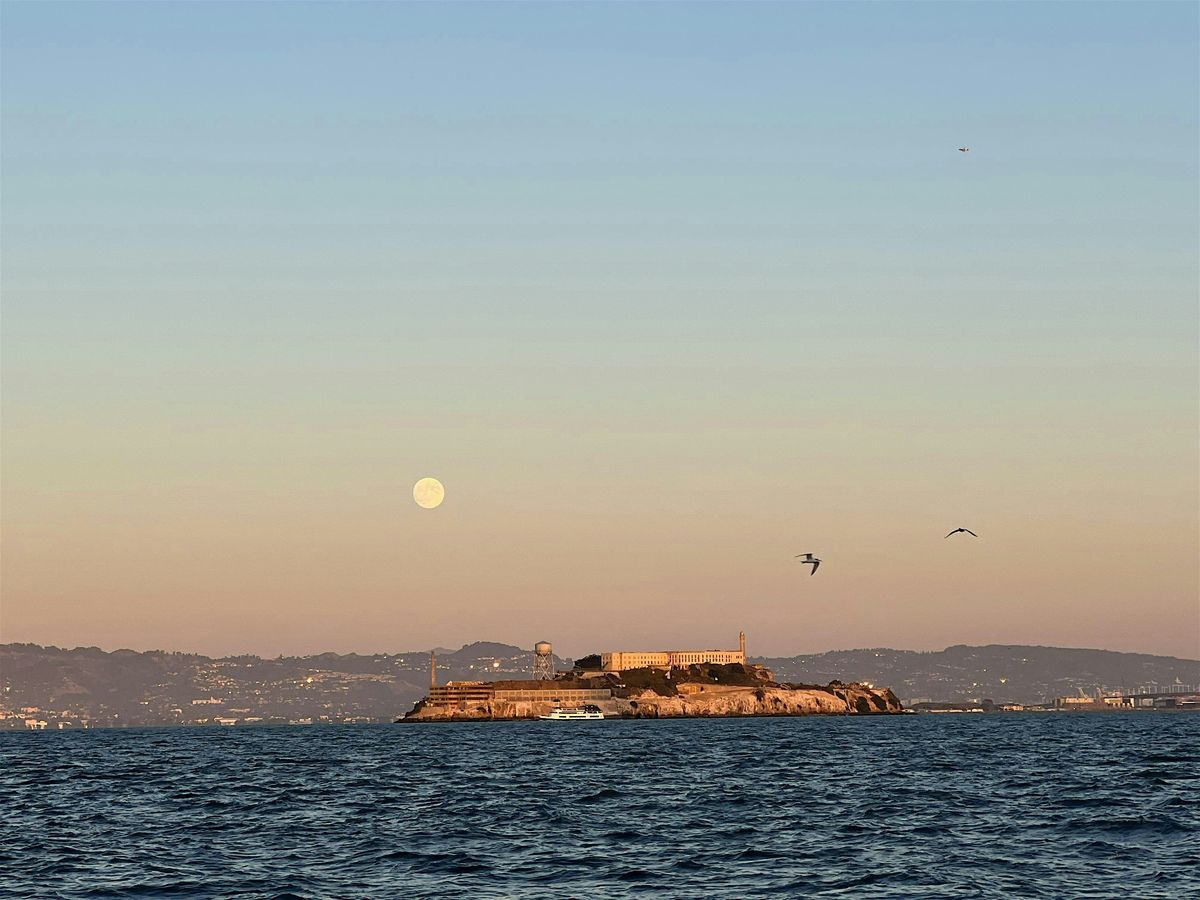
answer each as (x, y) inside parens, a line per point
(1016, 673)
(125, 687)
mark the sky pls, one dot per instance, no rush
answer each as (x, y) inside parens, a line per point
(663, 294)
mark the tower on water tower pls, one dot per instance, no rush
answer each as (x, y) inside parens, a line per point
(543, 661)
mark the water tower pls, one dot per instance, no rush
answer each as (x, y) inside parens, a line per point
(543, 661)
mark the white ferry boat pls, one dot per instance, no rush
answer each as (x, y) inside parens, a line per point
(582, 712)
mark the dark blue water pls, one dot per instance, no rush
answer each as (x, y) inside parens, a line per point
(1071, 805)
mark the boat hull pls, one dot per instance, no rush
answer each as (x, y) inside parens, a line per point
(572, 715)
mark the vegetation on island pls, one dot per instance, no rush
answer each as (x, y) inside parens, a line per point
(666, 683)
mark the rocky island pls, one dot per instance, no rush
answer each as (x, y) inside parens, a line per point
(695, 691)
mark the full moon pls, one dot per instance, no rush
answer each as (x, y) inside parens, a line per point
(429, 493)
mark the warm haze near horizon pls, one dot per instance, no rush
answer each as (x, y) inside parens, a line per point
(663, 295)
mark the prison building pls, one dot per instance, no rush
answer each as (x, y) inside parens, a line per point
(559, 692)
(541, 691)
(619, 660)
(454, 692)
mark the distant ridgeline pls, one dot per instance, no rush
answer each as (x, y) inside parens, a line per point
(1001, 673)
(124, 687)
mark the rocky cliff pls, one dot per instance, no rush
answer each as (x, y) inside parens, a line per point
(692, 701)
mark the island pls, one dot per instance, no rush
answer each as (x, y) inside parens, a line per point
(696, 690)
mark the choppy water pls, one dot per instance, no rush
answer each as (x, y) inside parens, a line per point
(1071, 805)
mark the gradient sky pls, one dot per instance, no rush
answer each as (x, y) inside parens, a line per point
(664, 294)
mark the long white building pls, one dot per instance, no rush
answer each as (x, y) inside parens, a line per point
(619, 660)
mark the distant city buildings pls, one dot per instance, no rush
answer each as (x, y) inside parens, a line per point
(1077, 703)
(1173, 696)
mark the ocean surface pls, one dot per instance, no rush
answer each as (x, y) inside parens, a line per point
(1005, 805)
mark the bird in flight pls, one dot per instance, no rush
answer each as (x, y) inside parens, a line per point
(964, 149)
(967, 530)
(809, 559)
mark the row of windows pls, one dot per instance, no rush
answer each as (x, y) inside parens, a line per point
(553, 696)
(713, 657)
(669, 658)
(451, 698)
(635, 660)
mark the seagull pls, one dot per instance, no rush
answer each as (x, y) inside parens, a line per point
(809, 559)
(964, 149)
(967, 530)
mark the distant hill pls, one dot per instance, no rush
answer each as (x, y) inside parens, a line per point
(1016, 673)
(126, 687)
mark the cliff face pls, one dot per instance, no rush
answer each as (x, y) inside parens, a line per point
(765, 701)
(693, 701)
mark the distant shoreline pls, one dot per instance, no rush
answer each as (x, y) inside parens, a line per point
(90, 688)
(401, 720)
